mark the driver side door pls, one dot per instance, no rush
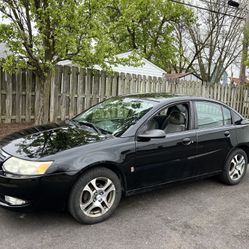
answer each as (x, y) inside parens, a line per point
(166, 159)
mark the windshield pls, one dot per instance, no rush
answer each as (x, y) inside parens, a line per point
(117, 114)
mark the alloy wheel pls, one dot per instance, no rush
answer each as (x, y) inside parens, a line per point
(237, 167)
(97, 197)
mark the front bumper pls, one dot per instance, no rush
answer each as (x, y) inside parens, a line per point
(41, 191)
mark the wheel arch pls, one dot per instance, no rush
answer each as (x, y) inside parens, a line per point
(109, 165)
(243, 147)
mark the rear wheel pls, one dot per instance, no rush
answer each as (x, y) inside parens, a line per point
(235, 167)
(95, 196)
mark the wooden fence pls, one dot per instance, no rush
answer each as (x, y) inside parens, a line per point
(76, 89)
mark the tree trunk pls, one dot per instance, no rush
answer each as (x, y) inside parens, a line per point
(43, 101)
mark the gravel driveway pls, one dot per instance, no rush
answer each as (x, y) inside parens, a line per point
(202, 214)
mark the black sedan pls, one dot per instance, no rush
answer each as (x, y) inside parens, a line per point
(122, 146)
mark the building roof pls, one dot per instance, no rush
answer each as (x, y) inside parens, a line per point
(147, 68)
(236, 81)
(176, 76)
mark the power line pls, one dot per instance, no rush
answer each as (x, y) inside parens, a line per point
(225, 2)
(203, 8)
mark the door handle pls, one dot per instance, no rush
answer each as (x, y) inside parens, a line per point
(187, 141)
(227, 133)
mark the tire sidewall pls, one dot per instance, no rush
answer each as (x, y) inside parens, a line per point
(227, 166)
(74, 199)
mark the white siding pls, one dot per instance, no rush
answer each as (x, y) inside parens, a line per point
(4, 51)
(148, 68)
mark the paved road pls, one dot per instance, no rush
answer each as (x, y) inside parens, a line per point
(203, 214)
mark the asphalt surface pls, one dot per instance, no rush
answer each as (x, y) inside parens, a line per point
(202, 214)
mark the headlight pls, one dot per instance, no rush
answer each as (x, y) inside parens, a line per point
(24, 167)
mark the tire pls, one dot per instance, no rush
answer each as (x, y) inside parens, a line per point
(235, 167)
(95, 196)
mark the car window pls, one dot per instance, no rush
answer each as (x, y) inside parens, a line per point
(236, 118)
(227, 116)
(209, 115)
(170, 119)
(116, 114)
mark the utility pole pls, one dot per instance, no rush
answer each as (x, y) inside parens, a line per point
(245, 45)
(244, 56)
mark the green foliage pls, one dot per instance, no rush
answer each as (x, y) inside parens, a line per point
(146, 26)
(41, 33)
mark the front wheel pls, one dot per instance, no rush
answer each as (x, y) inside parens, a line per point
(95, 196)
(235, 167)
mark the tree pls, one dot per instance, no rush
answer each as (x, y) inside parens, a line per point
(147, 27)
(213, 43)
(41, 33)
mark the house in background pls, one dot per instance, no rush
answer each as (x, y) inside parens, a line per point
(146, 68)
(236, 81)
(180, 77)
(224, 78)
(4, 51)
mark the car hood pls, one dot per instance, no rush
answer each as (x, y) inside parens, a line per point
(42, 141)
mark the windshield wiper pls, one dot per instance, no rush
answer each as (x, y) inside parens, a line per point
(86, 123)
(90, 125)
(97, 129)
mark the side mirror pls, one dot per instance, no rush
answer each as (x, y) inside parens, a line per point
(242, 122)
(152, 134)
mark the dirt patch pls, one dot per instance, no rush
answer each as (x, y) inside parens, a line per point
(6, 129)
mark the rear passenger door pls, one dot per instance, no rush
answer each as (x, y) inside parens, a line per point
(215, 135)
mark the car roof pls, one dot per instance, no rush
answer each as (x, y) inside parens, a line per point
(166, 97)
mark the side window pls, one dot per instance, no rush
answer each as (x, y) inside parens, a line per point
(170, 119)
(209, 115)
(236, 118)
(227, 116)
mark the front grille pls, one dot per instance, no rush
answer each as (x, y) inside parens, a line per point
(3, 156)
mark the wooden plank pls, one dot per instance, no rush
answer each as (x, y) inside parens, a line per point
(127, 84)
(134, 83)
(28, 96)
(121, 84)
(241, 99)
(64, 92)
(18, 96)
(37, 95)
(114, 87)
(8, 99)
(102, 85)
(144, 84)
(81, 90)
(72, 91)
(1, 83)
(54, 96)
(88, 89)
